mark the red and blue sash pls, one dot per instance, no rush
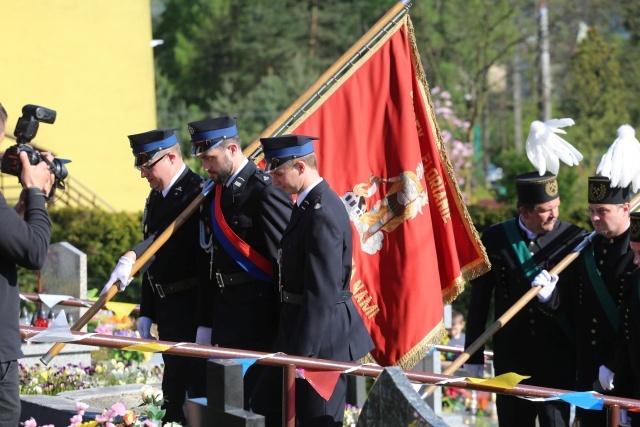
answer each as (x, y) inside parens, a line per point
(248, 258)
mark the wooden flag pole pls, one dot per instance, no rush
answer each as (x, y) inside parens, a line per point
(142, 260)
(515, 308)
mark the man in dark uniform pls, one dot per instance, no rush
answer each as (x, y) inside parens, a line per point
(625, 363)
(243, 218)
(169, 284)
(24, 242)
(532, 341)
(594, 289)
(318, 316)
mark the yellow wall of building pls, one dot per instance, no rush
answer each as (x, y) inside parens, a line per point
(92, 62)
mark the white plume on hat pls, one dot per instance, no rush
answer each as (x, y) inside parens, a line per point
(621, 162)
(545, 149)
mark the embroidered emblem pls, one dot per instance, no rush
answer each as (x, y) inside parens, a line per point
(178, 188)
(551, 188)
(237, 184)
(598, 191)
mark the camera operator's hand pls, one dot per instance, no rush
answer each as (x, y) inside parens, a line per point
(38, 176)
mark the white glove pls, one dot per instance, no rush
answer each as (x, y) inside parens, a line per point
(548, 283)
(203, 335)
(122, 272)
(605, 376)
(144, 327)
(624, 419)
(475, 370)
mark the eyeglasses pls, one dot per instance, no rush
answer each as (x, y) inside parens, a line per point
(150, 166)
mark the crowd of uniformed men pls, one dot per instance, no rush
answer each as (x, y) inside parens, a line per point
(254, 271)
(258, 271)
(582, 332)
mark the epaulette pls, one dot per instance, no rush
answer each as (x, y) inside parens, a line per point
(263, 177)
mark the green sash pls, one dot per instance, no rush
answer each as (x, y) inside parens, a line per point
(595, 279)
(531, 270)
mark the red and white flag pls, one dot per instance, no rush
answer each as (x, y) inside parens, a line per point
(381, 150)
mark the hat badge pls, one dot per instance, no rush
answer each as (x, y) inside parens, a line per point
(191, 130)
(598, 192)
(551, 188)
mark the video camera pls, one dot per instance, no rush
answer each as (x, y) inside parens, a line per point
(26, 130)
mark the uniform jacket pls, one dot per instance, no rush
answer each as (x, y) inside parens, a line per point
(175, 261)
(532, 341)
(244, 316)
(25, 243)
(626, 360)
(595, 335)
(316, 263)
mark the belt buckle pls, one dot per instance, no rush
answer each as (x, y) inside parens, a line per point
(160, 290)
(219, 279)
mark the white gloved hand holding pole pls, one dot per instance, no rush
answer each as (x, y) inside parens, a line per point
(548, 283)
(475, 370)
(122, 272)
(605, 376)
(144, 327)
(203, 335)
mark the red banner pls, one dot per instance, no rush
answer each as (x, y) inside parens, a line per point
(380, 149)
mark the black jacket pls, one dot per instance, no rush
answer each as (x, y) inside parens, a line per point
(244, 316)
(595, 334)
(24, 242)
(533, 341)
(175, 261)
(316, 264)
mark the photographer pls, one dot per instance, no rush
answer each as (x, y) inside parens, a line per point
(24, 242)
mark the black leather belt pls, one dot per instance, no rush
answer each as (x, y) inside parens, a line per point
(296, 299)
(172, 288)
(230, 279)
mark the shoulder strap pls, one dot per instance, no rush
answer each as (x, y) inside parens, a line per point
(530, 270)
(529, 267)
(595, 279)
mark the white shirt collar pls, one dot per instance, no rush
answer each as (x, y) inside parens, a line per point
(173, 180)
(302, 195)
(235, 175)
(530, 234)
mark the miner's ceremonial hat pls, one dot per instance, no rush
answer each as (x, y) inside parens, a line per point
(532, 188)
(601, 192)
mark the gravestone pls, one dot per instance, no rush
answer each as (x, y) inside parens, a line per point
(65, 273)
(223, 406)
(393, 401)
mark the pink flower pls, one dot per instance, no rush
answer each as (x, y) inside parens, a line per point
(149, 423)
(81, 407)
(76, 420)
(106, 416)
(118, 408)
(30, 423)
(104, 330)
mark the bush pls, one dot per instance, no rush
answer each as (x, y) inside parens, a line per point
(102, 236)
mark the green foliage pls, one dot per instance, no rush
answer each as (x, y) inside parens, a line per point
(595, 97)
(103, 237)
